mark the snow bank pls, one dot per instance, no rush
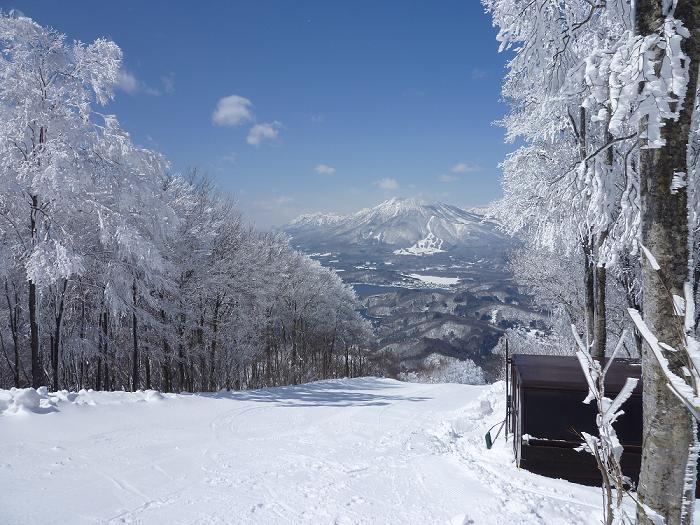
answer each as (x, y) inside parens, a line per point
(18, 401)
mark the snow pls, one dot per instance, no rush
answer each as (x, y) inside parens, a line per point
(430, 245)
(412, 227)
(650, 257)
(434, 279)
(683, 387)
(679, 181)
(343, 451)
(436, 368)
(317, 219)
(418, 249)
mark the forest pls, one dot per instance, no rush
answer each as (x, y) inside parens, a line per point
(118, 273)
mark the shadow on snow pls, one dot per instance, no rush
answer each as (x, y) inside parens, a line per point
(323, 393)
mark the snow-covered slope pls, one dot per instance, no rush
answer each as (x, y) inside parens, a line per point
(343, 451)
(407, 225)
(316, 220)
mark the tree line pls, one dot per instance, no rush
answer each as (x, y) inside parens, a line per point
(117, 274)
(603, 187)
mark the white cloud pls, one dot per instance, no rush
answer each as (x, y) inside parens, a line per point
(168, 82)
(263, 131)
(448, 178)
(465, 167)
(274, 203)
(235, 110)
(230, 158)
(387, 184)
(317, 118)
(232, 111)
(324, 169)
(126, 81)
(478, 73)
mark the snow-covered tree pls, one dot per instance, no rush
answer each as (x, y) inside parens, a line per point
(47, 88)
(603, 95)
(128, 275)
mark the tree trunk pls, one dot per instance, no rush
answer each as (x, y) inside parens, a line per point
(589, 287)
(181, 367)
(13, 312)
(293, 359)
(599, 315)
(135, 357)
(98, 374)
(213, 384)
(347, 361)
(181, 349)
(147, 365)
(56, 338)
(166, 362)
(101, 352)
(589, 270)
(37, 376)
(632, 299)
(668, 428)
(600, 325)
(105, 349)
(199, 345)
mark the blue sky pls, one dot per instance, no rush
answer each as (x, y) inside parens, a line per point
(332, 106)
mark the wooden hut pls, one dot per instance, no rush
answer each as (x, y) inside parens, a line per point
(548, 413)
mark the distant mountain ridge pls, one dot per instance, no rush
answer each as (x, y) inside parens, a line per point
(432, 277)
(407, 226)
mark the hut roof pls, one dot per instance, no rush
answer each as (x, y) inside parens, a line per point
(564, 372)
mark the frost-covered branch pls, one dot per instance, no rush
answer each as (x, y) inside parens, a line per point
(606, 447)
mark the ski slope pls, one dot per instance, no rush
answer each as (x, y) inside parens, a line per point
(338, 452)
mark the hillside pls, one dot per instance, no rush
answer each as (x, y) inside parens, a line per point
(433, 278)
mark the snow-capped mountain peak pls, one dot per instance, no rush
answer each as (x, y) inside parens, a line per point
(317, 219)
(407, 226)
(395, 206)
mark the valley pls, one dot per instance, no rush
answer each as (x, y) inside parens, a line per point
(433, 280)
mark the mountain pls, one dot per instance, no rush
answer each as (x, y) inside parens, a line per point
(433, 278)
(316, 220)
(406, 226)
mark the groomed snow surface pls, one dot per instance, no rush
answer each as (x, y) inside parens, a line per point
(337, 452)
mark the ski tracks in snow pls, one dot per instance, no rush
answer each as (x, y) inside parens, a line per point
(516, 496)
(334, 452)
